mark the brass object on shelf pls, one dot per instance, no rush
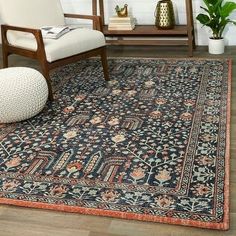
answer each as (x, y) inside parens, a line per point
(122, 11)
(165, 18)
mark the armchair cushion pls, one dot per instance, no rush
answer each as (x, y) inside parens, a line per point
(74, 42)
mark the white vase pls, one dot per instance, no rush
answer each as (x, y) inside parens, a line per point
(216, 46)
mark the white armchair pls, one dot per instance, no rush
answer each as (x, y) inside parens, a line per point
(21, 35)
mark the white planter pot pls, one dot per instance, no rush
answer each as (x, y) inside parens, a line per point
(216, 46)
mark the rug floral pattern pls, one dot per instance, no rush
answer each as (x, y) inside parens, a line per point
(151, 141)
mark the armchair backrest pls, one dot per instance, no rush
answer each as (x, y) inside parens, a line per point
(31, 13)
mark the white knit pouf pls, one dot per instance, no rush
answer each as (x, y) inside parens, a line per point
(23, 93)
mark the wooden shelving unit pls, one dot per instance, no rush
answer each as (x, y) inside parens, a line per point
(180, 35)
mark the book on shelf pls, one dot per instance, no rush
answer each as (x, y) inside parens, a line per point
(121, 19)
(131, 27)
(121, 23)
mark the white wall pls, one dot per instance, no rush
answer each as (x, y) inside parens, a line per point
(143, 11)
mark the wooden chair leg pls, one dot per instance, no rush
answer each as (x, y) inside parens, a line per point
(104, 63)
(45, 72)
(5, 58)
(50, 94)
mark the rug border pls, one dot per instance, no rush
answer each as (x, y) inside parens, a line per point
(229, 59)
(144, 217)
(226, 222)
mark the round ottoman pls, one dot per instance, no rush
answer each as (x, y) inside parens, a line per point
(23, 93)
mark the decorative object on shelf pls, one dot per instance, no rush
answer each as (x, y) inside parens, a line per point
(165, 17)
(122, 11)
(121, 23)
(217, 17)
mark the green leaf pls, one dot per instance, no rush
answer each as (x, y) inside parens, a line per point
(213, 2)
(203, 19)
(228, 8)
(214, 6)
(205, 9)
(209, 6)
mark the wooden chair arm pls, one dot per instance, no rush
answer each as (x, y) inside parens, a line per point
(97, 23)
(17, 28)
(36, 32)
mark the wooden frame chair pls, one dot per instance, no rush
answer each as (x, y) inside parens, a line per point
(39, 49)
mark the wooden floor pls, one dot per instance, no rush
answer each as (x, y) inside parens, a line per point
(16, 221)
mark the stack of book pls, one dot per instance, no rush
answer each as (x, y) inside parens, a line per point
(121, 23)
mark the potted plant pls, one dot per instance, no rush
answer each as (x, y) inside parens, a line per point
(216, 18)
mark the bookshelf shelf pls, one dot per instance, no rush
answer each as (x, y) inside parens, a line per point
(149, 34)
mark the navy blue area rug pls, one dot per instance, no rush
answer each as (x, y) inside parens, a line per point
(151, 144)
